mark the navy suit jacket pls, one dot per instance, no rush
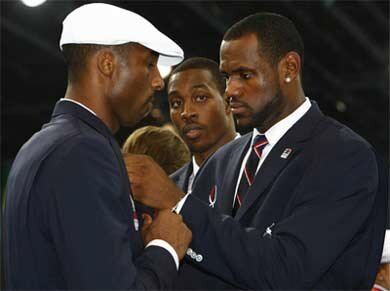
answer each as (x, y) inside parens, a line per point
(312, 220)
(68, 216)
(190, 276)
(182, 176)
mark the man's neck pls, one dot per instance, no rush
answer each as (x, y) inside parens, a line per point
(201, 157)
(95, 105)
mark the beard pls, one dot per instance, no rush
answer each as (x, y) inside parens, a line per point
(264, 118)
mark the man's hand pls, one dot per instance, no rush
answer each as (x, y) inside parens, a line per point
(167, 226)
(149, 183)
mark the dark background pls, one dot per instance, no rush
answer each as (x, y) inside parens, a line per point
(346, 58)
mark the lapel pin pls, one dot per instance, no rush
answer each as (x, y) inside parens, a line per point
(286, 153)
(268, 231)
(213, 196)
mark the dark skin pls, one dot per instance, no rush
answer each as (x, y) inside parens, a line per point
(199, 112)
(256, 88)
(383, 276)
(120, 92)
(261, 95)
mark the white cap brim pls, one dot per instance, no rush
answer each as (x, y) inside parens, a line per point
(105, 24)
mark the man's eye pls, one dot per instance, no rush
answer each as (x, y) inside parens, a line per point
(246, 76)
(200, 98)
(175, 104)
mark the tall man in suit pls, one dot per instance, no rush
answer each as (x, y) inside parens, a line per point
(199, 112)
(204, 120)
(70, 220)
(306, 201)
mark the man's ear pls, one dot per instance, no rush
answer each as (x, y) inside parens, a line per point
(106, 63)
(289, 67)
(381, 273)
(226, 102)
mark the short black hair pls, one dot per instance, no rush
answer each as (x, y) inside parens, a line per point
(276, 34)
(205, 64)
(76, 56)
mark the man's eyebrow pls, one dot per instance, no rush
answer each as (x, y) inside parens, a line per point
(242, 69)
(173, 93)
(200, 86)
(237, 70)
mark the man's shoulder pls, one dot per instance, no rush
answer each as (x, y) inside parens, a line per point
(231, 148)
(333, 133)
(180, 172)
(58, 137)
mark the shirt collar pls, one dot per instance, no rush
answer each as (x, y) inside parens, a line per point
(275, 133)
(78, 103)
(379, 287)
(195, 166)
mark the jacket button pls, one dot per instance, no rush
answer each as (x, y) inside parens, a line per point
(199, 258)
(193, 255)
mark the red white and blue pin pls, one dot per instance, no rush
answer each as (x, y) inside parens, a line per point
(286, 153)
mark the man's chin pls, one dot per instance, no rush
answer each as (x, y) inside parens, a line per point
(244, 122)
(196, 147)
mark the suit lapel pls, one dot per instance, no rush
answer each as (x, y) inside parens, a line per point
(277, 160)
(227, 187)
(270, 169)
(185, 178)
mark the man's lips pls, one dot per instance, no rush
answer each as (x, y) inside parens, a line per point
(238, 107)
(192, 131)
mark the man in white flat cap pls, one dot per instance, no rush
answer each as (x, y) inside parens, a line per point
(70, 220)
(382, 280)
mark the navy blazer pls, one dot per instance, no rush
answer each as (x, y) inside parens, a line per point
(312, 220)
(68, 216)
(190, 276)
(182, 176)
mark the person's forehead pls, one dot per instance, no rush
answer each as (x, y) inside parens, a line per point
(192, 79)
(239, 53)
(142, 50)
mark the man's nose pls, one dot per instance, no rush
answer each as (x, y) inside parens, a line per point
(158, 82)
(188, 112)
(233, 88)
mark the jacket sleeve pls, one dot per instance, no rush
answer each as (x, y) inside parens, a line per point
(331, 206)
(91, 225)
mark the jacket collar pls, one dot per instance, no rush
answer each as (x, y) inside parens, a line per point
(65, 107)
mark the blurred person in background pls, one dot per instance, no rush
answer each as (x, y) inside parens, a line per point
(165, 147)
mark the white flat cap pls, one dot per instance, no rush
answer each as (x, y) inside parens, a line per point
(386, 248)
(105, 24)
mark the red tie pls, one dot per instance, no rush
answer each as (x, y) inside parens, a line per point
(249, 172)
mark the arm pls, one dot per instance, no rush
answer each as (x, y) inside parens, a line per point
(92, 228)
(332, 204)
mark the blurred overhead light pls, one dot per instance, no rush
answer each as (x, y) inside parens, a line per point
(164, 71)
(341, 106)
(33, 3)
